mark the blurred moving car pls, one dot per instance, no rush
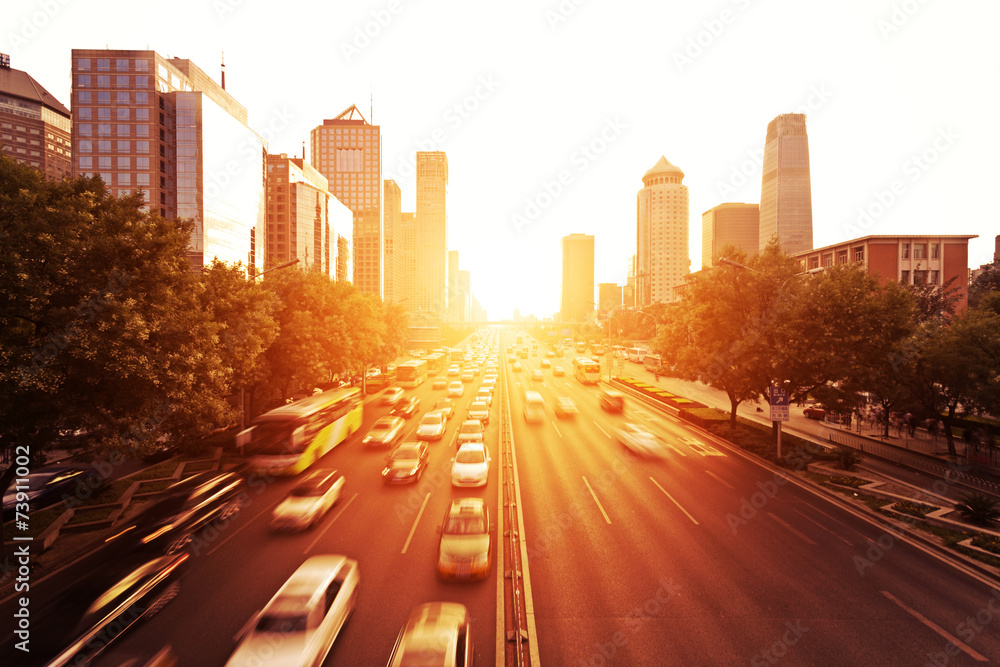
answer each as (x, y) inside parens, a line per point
(138, 595)
(640, 440)
(309, 501)
(48, 485)
(385, 432)
(392, 395)
(447, 406)
(479, 410)
(612, 400)
(471, 466)
(406, 407)
(517, 367)
(558, 371)
(406, 463)
(536, 376)
(466, 547)
(565, 407)
(454, 370)
(811, 413)
(301, 622)
(432, 425)
(439, 383)
(471, 430)
(468, 376)
(435, 634)
(534, 407)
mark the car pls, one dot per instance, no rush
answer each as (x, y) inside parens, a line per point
(517, 367)
(468, 376)
(536, 376)
(465, 550)
(549, 354)
(303, 619)
(471, 430)
(454, 370)
(439, 383)
(46, 486)
(385, 432)
(640, 440)
(545, 363)
(489, 382)
(511, 359)
(534, 407)
(446, 406)
(475, 369)
(455, 389)
(180, 512)
(432, 425)
(484, 395)
(392, 396)
(811, 413)
(407, 407)
(565, 407)
(309, 501)
(558, 372)
(436, 634)
(479, 410)
(612, 400)
(471, 465)
(406, 463)
(118, 598)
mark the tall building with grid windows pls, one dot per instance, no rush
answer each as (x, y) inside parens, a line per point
(408, 259)
(662, 260)
(347, 149)
(34, 126)
(392, 229)
(785, 190)
(731, 223)
(163, 126)
(432, 234)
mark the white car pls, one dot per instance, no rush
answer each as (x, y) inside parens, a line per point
(455, 389)
(467, 376)
(454, 370)
(640, 440)
(480, 410)
(301, 622)
(392, 396)
(471, 430)
(432, 425)
(485, 396)
(471, 466)
(309, 501)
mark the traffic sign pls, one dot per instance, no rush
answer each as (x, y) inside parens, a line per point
(779, 404)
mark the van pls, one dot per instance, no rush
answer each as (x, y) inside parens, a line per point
(612, 401)
(534, 407)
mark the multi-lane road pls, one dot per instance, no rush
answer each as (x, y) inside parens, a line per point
(703, 557)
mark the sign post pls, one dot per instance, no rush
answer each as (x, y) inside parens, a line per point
(779, 411)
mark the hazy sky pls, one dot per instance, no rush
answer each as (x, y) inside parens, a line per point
(522, 94)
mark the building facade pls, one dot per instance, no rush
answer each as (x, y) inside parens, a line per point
(662, 260)
(408, 258)
(163, 126)
(910, 260)
(432, 234)
(35, 127)
(785, 190)
(577, 278)
(392, 272)
(609, 295)
(347, 149)
(344, 264)
(729, 224)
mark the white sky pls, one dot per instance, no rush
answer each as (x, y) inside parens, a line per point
(880, 81)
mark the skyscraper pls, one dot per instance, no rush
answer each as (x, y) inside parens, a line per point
(408, 259)
(163, 126)
(392, 259)
(729, 224)
(347, 149)
(577, 278)
(661, 234)
(454, 303)
(34, 126)
(432, 233)
(785, 191)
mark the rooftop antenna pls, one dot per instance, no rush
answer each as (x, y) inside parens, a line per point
(223, 70)
(303, 150)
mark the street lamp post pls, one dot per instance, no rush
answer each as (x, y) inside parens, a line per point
(611, 313)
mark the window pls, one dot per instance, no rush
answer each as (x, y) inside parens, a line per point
(121, 81)
(142, 114)
(83, 81)
(121, 64)
(86, 163)
(906, 251)
(142, 82)
(104, 163)
(142, 163)
(919, 250)
(841, 257)
(83, 64)
(123, 130)
(103, 64)
(103, 146)
(142, 147)
(84, 129)
(141, 65)
(919, 277)
(141, 130)
(142, 98)
(103, 81)
(904, 277)
(124, 162)
(123, 113)
(124, 146)
(124, 179)
(859, 254)
(84, 146)
(935, 277)
(83, 97)
(103, 113)
(103, 97)
(935, 251)
(142, 179)
(104, 130)
(121, 98)
(828, 260)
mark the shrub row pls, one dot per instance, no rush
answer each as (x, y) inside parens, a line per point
(660, 394)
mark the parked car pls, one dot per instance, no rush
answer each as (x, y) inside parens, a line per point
(432, 425)
(406, 463)
(406, 407)
(435, 634)
(309, 501)
(465, 550)
(48, 485)
(385, 432)
(301, 622)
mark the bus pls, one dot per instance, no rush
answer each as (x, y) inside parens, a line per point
(653, 362)
(586, 370)
(435, 363)
(637, 354)
(290, 438)
(411, 373)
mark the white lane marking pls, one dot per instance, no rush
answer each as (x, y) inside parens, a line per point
(936, 628)
(601, 429)
(801, 535)
(695, 521)
(237, 531)
(676, 449)
(702, 448)
(720, 480)
(644, 414)
(822, 527)
(599, 506)
(329, 524)
(557, 429)
(409, 537)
